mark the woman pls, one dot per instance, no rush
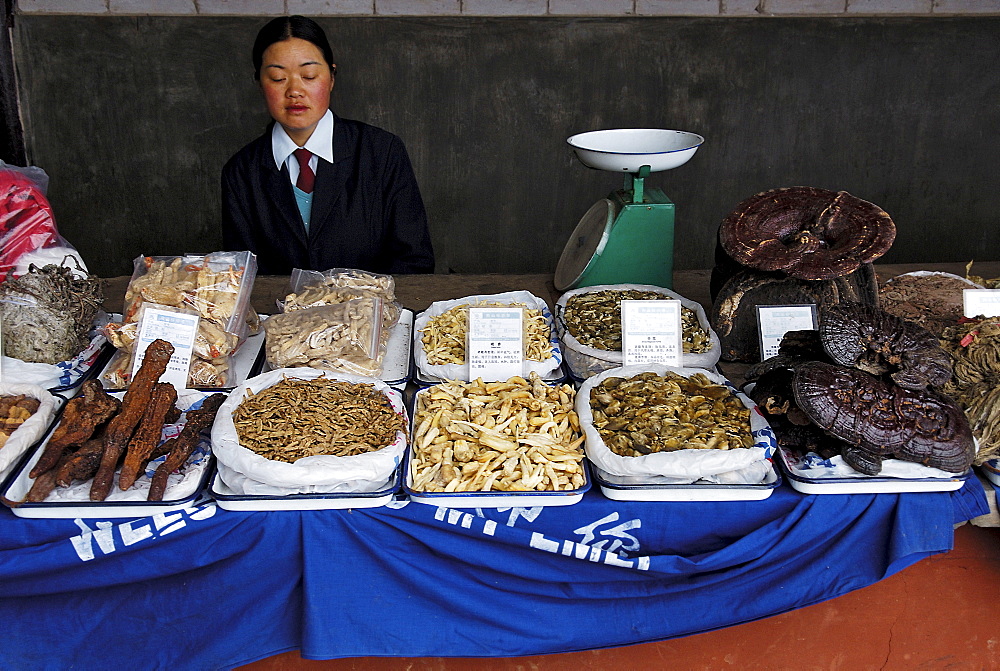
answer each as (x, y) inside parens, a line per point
(316, 191)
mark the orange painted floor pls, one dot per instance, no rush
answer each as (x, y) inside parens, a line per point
(941, 613)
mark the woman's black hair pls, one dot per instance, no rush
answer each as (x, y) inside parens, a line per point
(285, 27)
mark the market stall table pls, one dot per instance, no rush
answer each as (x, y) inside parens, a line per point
(213, 588)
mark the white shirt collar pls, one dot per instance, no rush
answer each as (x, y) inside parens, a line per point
(319, 143)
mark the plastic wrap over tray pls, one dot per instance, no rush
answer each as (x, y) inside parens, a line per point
(455, 371)
(247, 473)
(741, 465)
(584, 361)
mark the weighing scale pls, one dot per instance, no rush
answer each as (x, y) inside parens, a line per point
(627, 237)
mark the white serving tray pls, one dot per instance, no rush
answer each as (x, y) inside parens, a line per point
(488, 499)
(397, 362)
(227, 499)
(868, 484)
(496, 499)
(74, 502)
(991, 469)
(618, 488)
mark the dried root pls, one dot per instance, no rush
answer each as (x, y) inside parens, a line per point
(518, 435)
(445, 334)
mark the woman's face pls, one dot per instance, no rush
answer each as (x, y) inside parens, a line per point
(297, 82)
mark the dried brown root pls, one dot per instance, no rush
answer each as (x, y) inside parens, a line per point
(147, 436)
(133, 406)
(183, 445)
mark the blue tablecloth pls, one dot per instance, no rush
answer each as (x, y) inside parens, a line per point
(207, 588)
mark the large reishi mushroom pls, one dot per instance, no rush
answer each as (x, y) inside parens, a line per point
(872, 340)
(881, 419)
(806, 232)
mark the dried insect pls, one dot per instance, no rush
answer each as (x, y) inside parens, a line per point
(298, 418)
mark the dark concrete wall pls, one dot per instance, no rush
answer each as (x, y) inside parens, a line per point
(133, 118)
(11, 133)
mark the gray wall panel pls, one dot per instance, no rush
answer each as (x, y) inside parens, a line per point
(133, 118)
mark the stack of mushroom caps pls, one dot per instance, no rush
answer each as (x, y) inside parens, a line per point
(865, 386)
(795, 245)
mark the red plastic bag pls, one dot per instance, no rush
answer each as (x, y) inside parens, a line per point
(26, 220)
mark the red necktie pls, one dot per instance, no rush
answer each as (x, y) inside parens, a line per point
(306, 177)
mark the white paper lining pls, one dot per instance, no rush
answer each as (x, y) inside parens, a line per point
(585, 361)
(747, 465)
(461, 371)
(248, 473)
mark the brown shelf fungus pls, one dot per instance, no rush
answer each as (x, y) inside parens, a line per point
(881, 419)
(872, 340)
(806, 232)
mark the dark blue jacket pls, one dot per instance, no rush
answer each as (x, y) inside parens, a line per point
(367, 212)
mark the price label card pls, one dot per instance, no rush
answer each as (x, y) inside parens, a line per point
(981, 302)
(495, 347)
(774, 321)
(177, 328)
(651, 332)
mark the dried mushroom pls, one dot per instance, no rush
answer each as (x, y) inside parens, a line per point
(595, 320)
(734, 312)
(793, 429)
(808, 233)
(879, 343)
(650, 413)
(879, 419)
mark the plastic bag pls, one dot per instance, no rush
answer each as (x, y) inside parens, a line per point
(28, 231)
(460, 371)
(248, 473)
(216, 285)
(344, 336)
(584, 361)
(681, 466)
(312, 288)
(63, 374)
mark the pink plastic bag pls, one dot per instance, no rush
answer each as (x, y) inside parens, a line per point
(26, 220)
